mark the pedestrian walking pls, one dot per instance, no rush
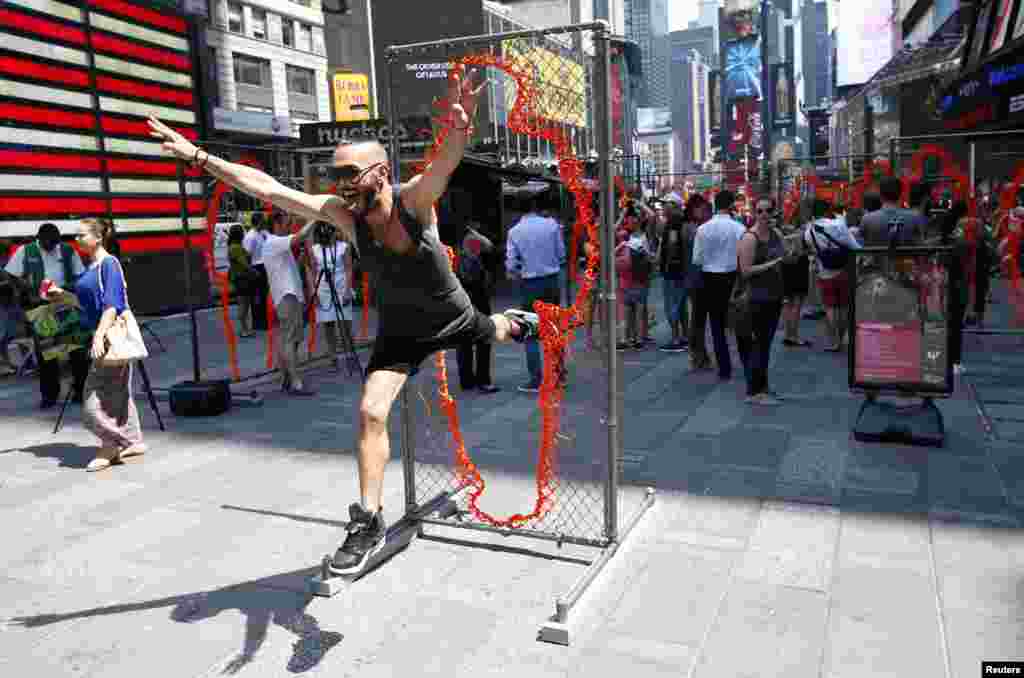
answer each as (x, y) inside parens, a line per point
(795, 285)
(831, 241)
(244, 278)
(714, 251)
(697, 213)
(109, 410)
(633, 261)
(47, 258)
(761, 251)
(535, 253)
(475, 273)
(675, 252)
(253, 244)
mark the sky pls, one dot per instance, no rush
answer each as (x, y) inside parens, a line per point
(681, 13)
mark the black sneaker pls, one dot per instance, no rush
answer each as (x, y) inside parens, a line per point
(624, 346)
(528, 324)
(366, 534)
(672, 347)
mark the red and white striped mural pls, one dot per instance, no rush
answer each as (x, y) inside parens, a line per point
(72, 126)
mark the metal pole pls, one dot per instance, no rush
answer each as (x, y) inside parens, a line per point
(892, 157)
(766, 123)
(604, 131)
(188, 270)
(974, 167)
(408, 442)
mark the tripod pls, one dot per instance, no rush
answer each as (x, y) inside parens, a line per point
(327, 272)
(146, 385)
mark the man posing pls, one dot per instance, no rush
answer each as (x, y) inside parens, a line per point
(422, 308)
(49, 259)
(714, 251)
(535, 253)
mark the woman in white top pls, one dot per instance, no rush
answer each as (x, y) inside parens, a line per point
(335, 258)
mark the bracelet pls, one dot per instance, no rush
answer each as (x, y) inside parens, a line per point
(195, 156)
(205, 160)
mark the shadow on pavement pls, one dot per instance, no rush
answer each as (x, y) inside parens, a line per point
(68, 454)
(270, 600)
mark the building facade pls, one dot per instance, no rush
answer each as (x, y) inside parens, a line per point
(647, 25)
(269, 60)
(691, 111)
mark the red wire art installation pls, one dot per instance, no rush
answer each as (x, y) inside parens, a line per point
(557, 324)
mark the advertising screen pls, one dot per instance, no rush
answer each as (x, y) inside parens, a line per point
(782, 95)
(1018, 29)
(900, 330)
(1001, 24)
(419, 79)
(743, 68)
(351, 96)
(562, 78)
(715, 98)
(865, 40)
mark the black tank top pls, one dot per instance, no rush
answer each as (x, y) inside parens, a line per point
(767, 285)
(418, 294)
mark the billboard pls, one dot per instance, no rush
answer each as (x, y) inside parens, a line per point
(350, 96)
(740, 19)
(562, 80)
(865, 40)
(743, 68)
(783, 96)
(715, 98)
(1001, 27)
(820, 132)
(419, 79)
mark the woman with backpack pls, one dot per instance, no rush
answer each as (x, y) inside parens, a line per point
(831, 242)
(633, 261)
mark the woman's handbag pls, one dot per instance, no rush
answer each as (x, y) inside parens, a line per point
(123, 339)
(739, 307)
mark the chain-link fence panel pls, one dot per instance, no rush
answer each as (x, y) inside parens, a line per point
(547, 101)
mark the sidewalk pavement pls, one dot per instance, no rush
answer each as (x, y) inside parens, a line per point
(778, 546)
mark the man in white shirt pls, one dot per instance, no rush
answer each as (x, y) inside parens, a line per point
(288, 297)
(535, 253)
(47, 258)
(253, 244)
(714, 251)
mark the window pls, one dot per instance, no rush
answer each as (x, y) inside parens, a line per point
(300, 80)
(287, 33)
(305, 38)
(259, 24)
(234, 17)
(252, 71)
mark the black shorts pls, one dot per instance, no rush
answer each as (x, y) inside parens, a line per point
(406, 355)
(795, 278)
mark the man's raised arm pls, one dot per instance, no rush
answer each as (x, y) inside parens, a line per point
(252, 181)
(462, 102)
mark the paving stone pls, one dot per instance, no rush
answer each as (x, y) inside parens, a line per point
(975, 637)
(811, 471)
(792, 546)
(782, 628)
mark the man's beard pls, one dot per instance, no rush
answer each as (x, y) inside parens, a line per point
(361, 202)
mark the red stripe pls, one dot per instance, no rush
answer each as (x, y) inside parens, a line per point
(142, 15)
(51, 205)
(22, 67)
(154, 206)
(103, 42)
(162, 243)
(51, 117)
(138, 128)
(137, 89)
(158, 168)
(43, 27)
(49, 161)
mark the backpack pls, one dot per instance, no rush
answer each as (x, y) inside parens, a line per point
(832, 258)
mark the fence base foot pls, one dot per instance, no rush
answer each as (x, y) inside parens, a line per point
(881, 422)
(558, 629)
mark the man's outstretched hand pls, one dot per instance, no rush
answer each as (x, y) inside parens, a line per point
(462, 97)
(182, 148)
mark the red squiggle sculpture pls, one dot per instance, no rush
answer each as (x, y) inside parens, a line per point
(557, 324)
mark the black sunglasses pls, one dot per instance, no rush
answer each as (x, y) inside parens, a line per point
(350, 174)
(764, 211)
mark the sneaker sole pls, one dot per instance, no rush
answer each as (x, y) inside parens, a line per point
(363, 562)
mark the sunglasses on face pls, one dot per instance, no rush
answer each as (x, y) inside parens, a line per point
(349, 174)
(763, 211)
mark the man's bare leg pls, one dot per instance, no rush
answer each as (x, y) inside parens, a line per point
(379, 393)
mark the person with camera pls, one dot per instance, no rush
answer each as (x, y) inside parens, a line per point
(422, 308)
(831, 242)
(287, 295)
(331, 271)
(49, 259)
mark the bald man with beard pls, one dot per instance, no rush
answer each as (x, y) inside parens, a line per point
(422, 307)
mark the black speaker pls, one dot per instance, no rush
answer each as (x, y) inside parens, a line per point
(200, 398)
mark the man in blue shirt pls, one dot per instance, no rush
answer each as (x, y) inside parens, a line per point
(535, 253)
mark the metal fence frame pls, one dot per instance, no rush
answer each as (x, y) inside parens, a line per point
(556, 629)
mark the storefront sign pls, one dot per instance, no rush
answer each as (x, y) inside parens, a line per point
(414, 132)
(251, 122)
(991, 95)
(350, 93)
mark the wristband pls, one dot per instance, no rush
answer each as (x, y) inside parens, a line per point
(205, 159)
(195, 156)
